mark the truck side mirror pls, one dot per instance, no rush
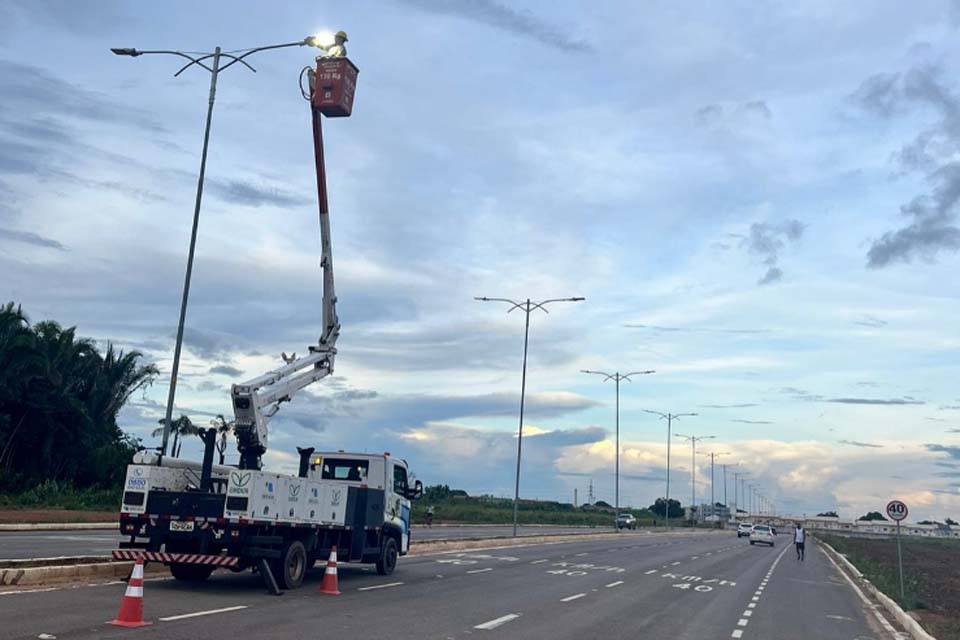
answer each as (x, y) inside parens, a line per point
(417, 492)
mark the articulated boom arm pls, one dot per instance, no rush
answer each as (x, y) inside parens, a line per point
(256, 401)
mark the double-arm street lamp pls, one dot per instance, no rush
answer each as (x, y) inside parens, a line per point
(616, 376)
(211, 62)
(526, 306)
(669, 417)
(713, 456)
(693, 440)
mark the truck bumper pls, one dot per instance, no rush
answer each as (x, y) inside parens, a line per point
(176, 558)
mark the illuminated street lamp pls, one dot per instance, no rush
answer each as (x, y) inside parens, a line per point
(214, 68)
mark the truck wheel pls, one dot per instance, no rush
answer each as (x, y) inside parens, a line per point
(292, 566)
(191, 572)
(388, 557)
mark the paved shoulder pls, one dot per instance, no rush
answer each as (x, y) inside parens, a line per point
(809, 599)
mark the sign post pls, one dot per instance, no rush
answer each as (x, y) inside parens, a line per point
(898, 511)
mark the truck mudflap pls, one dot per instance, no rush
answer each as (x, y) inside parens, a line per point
(177, 558)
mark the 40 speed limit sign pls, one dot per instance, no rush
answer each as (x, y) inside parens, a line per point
(897, 510)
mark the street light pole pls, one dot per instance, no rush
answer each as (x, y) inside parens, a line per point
(527, 306)
(617, 377)
(669, 417)
(713, 502)
(693, 470)
(215, 70)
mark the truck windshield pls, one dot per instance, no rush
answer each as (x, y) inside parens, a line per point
(344, 469)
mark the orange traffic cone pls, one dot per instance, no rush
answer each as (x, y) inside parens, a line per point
(131, 607)
(329, 585)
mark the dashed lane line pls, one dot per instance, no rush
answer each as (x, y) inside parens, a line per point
(540, 561)
(614, 584)
(197, 614)
(493, 624)
(646, 573)
(573, 597)
(481, 570)
(380, 586)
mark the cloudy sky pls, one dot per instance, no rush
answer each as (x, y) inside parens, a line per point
(758, 202)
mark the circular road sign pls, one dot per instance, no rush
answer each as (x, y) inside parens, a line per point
(897, 510)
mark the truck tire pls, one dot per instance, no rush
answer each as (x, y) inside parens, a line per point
(290, 569)
(191, 572)
(388, 557)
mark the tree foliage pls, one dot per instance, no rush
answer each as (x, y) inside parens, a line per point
(660, 508)
(828, 514)
(872, 515)
(59, 400)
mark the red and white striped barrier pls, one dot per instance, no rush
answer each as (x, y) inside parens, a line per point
(179, 558)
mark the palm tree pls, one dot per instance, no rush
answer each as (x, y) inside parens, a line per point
(182, 426)
(224, 429)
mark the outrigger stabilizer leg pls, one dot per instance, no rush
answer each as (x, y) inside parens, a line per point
(267, 574)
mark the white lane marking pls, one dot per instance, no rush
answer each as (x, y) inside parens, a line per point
(619, 582)
(737, 633)
(380, 586)
(755, 598)
(646, 573)
(480, 570)
(673, 564)
(742, 622)
(573, 597)
(13, 593)
(747, 613)
(539, 561)
(752, 605)
(579, 554)
(695, 557)
(208, 612)
(832, 617)
(493, 624)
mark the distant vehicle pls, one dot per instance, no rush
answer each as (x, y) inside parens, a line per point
(761, 534)
(744, 529)
(626, 521)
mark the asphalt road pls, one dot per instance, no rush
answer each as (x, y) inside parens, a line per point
(676, 586)
(49, 544)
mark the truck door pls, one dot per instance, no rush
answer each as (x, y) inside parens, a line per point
(398, 506)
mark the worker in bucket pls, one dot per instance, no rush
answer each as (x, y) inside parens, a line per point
(335, 50)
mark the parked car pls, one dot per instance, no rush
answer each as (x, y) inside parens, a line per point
(761, 534)
(626, 521)
(744, 529)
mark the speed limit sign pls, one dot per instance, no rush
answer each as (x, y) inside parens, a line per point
(897, 510)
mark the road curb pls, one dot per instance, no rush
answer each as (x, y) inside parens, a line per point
(59, 526)
(902, 617)
(29, 576)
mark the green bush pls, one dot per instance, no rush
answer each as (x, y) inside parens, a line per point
(63, 495)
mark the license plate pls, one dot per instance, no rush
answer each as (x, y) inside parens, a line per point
(177, 525)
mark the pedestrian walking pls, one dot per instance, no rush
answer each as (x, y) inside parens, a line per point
(800, 540)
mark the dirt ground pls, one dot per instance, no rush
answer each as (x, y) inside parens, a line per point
(19, 516)
(931, 577)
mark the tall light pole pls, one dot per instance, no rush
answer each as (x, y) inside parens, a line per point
(669, 417)
(215, 69)
(527, 306)
(693, 470)
(617, 377)
(738, 480)
(713, 457)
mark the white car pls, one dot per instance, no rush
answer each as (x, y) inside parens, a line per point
(762, 534)
(744, 529)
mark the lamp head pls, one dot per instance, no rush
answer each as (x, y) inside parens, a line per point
(125, 51)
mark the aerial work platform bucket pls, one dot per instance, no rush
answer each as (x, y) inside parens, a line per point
(334, 88)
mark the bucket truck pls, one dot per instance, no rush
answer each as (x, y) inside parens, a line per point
(198, 517)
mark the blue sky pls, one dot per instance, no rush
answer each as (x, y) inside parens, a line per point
(759, 202)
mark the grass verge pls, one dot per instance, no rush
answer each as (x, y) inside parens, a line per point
(930, 577)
